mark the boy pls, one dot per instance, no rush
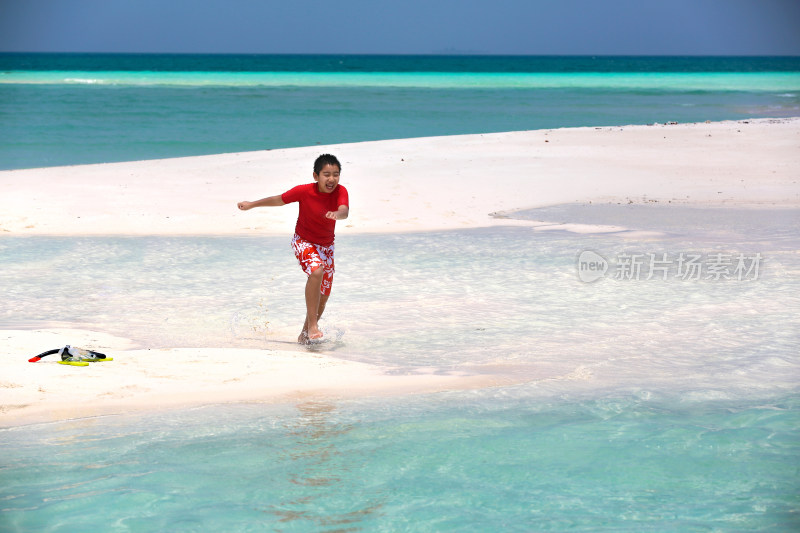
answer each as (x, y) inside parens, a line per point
(322, 203)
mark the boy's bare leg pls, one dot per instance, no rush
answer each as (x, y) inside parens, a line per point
(303, 338)
(315, 304)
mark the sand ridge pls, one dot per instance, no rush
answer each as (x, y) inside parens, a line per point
(417, 184)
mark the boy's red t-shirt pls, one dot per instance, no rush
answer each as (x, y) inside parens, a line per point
(312, 225)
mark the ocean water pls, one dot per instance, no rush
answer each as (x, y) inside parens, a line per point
(645, 400)
(75, 109)
(455, 462)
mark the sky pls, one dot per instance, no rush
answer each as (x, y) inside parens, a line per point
(530, 27)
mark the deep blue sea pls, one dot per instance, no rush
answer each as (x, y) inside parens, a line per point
(73, 109)
(640, 404)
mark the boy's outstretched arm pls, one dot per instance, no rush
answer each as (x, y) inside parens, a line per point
(339, 214)
(271, 201)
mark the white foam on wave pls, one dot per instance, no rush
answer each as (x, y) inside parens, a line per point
(88, 81)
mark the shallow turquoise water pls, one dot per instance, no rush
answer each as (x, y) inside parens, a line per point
(457, 462)
(638, 405)
(623, 81)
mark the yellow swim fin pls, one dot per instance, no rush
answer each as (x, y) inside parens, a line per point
(73, 363)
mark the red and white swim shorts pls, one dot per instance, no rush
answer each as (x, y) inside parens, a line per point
(312, 256)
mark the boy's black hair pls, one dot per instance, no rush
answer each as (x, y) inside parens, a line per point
(326, 159)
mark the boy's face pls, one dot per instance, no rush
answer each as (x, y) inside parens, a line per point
(327, 179)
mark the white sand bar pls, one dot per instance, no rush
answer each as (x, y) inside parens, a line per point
(417, 184)
(165, 378)
(402, 185)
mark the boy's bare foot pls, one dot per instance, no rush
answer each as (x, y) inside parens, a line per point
(306, 338)
(314, 333)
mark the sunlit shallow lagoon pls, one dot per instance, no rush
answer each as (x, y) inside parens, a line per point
(491, 460)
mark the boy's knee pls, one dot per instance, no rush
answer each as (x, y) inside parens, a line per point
(317, 273)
